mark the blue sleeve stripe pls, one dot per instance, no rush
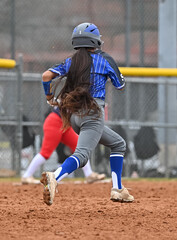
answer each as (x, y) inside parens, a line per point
(104, 66)
(100, 65)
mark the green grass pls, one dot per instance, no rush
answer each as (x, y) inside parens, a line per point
(150, 179)
(5, 179)
(17, 179)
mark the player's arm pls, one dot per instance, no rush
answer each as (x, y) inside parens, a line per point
(117, 79)
(113, 72)
(47, 77)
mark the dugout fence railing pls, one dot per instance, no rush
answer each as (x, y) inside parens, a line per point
(21, 94)
(133, 125)
(149, 92)
(14, 93)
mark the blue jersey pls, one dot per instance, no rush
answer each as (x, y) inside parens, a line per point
(104, 67)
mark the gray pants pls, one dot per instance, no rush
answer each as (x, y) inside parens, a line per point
(92, 131)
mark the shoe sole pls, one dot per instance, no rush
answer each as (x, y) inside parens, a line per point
(46, 194)
(43, 179)
(121, 200)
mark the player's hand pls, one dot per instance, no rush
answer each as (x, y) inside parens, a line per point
(51, 100)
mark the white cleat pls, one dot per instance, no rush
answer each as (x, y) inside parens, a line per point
(29, 180)
(121, 195)
(94, 177)
(50, 184)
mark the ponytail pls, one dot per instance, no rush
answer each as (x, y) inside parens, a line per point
(75, 96)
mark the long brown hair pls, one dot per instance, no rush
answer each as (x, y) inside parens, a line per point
(75, 96)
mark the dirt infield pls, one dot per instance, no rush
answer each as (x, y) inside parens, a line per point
(84, 211)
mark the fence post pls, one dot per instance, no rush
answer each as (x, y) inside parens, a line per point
(19, 133)
(166, 132)
(127, 117)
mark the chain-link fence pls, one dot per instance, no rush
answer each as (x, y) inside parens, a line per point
(41, 30)
(143, 115)
(134, 113)
(21, 116)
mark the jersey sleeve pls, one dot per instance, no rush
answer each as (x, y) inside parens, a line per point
(60, 69)
(114, 73)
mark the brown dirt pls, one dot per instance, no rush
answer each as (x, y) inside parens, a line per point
(83, 211)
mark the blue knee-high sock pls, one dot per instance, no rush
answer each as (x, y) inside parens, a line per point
(69, 165)
(116, 162)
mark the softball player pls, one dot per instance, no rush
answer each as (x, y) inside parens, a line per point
(81, 102)
(53, 135)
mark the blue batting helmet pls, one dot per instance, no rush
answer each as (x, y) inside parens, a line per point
(86, 35)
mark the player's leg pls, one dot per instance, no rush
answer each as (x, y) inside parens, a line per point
(91, 128)
(89, 136)
(70, 138)
(117, 145)
(36, 162)
(52, 136)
